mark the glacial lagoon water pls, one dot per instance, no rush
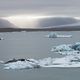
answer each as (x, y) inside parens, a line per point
(35, 45)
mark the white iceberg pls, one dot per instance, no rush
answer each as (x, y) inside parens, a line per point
(55, 35)
(67, 49)
(18, 64)
(61, 48)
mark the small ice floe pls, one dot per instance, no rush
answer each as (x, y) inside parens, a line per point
(67, 61)
(67, 49)
(21, 64)
(55, 35)
(61, 48)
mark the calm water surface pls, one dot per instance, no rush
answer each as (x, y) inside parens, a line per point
(35, 45)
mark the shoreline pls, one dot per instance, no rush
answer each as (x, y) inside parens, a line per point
(37, 29)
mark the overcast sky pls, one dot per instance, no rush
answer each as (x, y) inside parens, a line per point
(50, 7)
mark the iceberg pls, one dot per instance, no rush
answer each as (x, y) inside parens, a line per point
(61, 48)
(67, 49)
(67, 61)
(76, 46)
(55, 35)
(26, 64)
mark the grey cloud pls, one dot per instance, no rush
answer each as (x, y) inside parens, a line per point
(39, 6)
(30, 4)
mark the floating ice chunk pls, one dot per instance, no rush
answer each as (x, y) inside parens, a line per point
(76, 46)
(68, 52)
(67, 49)
(55, 35)
(66, 61)
(52, 35)
(46, 61)
(61, 48)
(18, 65)
(28, 64)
